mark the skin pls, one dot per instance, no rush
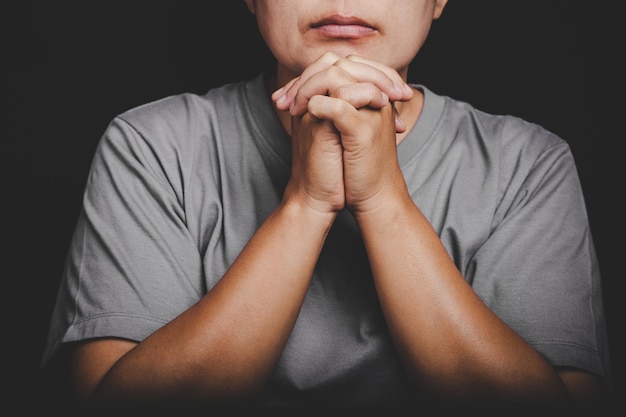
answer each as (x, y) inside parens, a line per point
(344, 101)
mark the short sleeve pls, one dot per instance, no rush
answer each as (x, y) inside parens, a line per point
(538, 269)
(132, 265)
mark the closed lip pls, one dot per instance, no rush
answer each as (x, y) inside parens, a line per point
(342, 21)
(343, 27)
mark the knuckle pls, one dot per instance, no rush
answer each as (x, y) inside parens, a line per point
(335, 71)
(330, 57)
(342, 108)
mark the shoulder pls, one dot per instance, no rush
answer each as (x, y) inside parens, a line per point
(178, 121)
(178, 112)
(511, 132)
(194, 104)
(513, 144)
(172, 107)
(514, 151)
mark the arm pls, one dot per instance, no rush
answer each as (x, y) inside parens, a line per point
(451, 343)
(225, 345)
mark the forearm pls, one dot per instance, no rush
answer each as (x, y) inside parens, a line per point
(449, 340)
(227, 344)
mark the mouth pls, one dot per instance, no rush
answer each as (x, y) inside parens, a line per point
(343, 27)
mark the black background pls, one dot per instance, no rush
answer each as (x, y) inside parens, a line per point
(70, 67)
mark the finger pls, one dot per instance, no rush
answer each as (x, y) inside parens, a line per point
(324, 83)
(376, 89)
(279, 96)
(363, 70)
(343, 113)
(400, 125)
(340, 112)
(383, 77)
(392, 74)
(361, 95)
(284, 96)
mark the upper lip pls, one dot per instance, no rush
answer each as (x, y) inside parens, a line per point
(341, 20)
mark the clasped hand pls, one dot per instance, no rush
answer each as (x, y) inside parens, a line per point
(343, 131)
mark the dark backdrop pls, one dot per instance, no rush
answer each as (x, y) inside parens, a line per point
(70, 67)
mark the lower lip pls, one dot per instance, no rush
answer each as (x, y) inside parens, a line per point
(344, 31)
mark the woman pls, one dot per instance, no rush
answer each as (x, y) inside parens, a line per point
(353, 241)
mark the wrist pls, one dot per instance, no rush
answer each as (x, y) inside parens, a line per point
(311, 213)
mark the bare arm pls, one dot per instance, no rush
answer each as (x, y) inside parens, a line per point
(451, 343)
(227, 344)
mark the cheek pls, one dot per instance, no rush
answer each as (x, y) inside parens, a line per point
(409, 36)
(278, 31)
(287, 43)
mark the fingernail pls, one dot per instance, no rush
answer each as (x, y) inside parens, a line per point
(278, 92)
(281, 99)
(399, 88)
(400, 123)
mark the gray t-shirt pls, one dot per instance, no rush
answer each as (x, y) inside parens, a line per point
(178, 186)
